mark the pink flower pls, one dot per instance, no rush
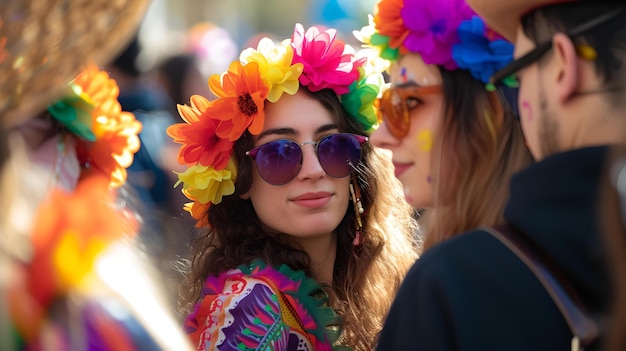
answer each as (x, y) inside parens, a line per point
(328, 62)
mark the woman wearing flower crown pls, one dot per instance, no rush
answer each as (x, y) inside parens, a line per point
(308, 237)
(455, 143)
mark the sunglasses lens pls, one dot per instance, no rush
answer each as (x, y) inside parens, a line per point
(279, 161)
(394, 113)
(337, 153)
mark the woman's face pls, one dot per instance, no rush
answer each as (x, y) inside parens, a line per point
(313, 203)
(412, 153)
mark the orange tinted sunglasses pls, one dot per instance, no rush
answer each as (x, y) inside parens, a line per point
(393, 108)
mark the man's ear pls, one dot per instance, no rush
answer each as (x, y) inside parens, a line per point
(566, 74)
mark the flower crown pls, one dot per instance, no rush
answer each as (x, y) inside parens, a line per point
(315, 59)
(444, 32)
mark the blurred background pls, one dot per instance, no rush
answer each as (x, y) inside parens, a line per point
(168, 21)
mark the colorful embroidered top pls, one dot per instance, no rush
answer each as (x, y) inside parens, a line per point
(259, 307)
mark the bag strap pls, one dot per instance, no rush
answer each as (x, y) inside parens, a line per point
(583, 328)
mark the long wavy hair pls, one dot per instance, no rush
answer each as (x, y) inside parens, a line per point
(365, 277)
(481, 145)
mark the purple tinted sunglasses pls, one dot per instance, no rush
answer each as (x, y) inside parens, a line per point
(279, 161)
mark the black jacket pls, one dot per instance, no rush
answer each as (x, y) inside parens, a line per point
(473, 293)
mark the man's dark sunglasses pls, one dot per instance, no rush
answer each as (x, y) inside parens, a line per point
(541, 49)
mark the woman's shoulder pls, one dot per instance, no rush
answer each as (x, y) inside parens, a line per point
(257, 305)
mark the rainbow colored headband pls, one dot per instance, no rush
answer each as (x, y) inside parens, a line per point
(447, 33)
(315, 59)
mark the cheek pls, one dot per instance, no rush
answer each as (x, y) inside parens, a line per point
(526, 111)
(424, 140)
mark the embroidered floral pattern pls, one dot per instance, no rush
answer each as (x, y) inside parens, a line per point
(258, 307)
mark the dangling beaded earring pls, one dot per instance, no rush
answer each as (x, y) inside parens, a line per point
(355, 191)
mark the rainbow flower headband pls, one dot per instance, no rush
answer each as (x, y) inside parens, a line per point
(315, 59)
(444, 32)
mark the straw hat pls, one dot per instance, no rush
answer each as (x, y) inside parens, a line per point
(504, 16)
(45, 43)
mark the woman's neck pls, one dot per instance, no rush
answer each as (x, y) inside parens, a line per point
(322, 252)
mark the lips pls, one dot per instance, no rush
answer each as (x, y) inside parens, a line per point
(401, 168)
(313, 200)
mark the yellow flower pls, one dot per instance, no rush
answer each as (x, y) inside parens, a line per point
(206, 184)
(275, 67)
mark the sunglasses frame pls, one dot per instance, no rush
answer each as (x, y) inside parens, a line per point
(540, 50)
(361, 139)
(415, 91)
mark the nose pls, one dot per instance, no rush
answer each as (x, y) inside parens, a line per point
(382, 138)
(311, 167)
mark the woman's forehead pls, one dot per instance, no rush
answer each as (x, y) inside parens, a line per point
(411, 68)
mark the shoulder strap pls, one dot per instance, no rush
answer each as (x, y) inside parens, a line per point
(583, 328)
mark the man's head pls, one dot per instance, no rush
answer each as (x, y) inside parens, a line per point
(571, 62)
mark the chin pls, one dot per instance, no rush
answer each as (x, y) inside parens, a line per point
(418, 202)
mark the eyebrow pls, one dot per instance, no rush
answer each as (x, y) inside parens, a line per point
(407, 84)
(291, 131)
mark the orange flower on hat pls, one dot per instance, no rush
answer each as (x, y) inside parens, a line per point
(388, 21)
(241, 96)
(115, 131)
(69, 232)
(200, 143)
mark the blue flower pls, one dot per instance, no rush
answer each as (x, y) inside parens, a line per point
(477, 53)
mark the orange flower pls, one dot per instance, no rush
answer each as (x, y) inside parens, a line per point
(115, 146)
(199, 212)
(241, 96)
(115, 131)
(200, 144)
(388, 20)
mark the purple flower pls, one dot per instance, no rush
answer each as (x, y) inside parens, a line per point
(433, 28)
(477, 53)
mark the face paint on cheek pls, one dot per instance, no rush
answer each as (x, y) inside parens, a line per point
(425, 140)
(528, 109)
(429, 180)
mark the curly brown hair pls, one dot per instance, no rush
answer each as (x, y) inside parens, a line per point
(365, 277)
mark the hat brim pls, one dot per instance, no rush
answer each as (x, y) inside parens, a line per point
(503, 16)
(44, 44)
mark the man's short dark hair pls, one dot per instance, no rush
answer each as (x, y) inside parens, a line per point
(608, 39)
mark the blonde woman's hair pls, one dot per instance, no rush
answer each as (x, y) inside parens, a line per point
(481, 146)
